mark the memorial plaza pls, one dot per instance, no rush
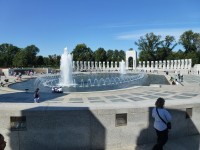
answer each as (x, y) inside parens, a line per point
(91, 120)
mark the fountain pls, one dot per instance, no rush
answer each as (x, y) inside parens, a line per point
(66, 69)
(122, 67)
(85, 82)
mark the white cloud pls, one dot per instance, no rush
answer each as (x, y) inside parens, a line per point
(176, 32)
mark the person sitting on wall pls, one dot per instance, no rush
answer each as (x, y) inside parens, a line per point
(6, 80)
(173, 82)
(177, 83)
(2, 85)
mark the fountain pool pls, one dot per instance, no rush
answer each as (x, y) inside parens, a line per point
(86, 82)
(83, 82)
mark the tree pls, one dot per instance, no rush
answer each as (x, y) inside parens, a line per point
(121, 55)
(148, 45)
(100, 54)
(116, 55)
(195, 56)
(31, 52)
(20, 59)
(167, 45)
(109, 55)
(54, 60)
(46, 61)
(7, 53)
(39, 61)
(82, 53)
(190, 41)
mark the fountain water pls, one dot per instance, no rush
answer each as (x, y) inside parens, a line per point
(66, 69)
(122, 67)
(84, 82)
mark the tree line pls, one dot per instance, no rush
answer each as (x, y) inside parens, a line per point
(151, 48)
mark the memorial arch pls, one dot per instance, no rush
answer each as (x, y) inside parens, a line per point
(131, 54)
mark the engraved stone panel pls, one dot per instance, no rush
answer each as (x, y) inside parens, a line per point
(121, 119)
(18, 123)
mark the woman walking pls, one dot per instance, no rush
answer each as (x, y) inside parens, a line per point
(162, 117)
(36, 96)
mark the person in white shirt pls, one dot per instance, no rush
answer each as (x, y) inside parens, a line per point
(176, 82)
(159, 125)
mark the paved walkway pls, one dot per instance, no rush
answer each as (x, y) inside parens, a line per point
(135, 95)
(186, 143)
(189, 92)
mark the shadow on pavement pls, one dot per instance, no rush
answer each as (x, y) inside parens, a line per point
(183, 125)
(28, 97)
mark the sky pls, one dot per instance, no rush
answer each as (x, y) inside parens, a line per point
(52, 25)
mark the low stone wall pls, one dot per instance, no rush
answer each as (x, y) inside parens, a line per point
(55, 127)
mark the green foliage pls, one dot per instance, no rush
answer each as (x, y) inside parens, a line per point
(39, 61)
(30, 54)
(110, 55)
(7, 54)
(82, 52)
(100, 55)
(148, 45)
(190, 41)
(20, 59)
(151, 48)
(195, 56)
(122, 55)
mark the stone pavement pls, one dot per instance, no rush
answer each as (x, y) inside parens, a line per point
(185, 143)
(145, 96)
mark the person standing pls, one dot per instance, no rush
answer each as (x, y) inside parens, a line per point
(36, 96)
(160, 126)
(2, 142)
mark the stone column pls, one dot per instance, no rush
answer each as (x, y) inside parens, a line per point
(171, 64)
(179, 64)
(189, 63)
(104, 65)
(148, 65)
(164, 64)
(143, 65)
(175, 64)
(108, 66)
(160, 64)
(156, 64)
(168, 64)
(116, 65)
(73, 65)
(186, 63)
(85, 65)
(89, 67)
(96, 67)
(140, 65)
(152, 65)
(182, 64)
(111, 65)
(82, 65)
(100, 67)
(92, 64)
(78, 65)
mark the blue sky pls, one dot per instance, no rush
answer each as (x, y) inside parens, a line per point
(52, 25)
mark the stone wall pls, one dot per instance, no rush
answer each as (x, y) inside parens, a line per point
(51, 127)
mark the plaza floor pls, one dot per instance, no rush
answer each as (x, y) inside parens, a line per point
(185, 93)
(189, 90)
